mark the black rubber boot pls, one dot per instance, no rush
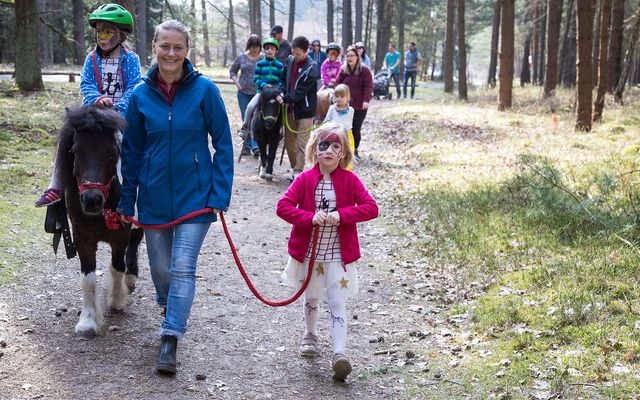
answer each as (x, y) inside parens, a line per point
(167, 359)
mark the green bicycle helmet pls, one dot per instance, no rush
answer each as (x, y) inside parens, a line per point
(271, 41)
(113, 13)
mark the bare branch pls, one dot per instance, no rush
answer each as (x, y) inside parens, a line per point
(224, 15)
(70, 43)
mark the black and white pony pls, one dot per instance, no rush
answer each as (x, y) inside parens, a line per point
(266, 124)
(88, 152)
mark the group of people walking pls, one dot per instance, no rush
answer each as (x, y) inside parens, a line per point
(168, 171)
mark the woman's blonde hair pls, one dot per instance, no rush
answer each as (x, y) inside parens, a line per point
(322, 132)
(346, 68)
(173, 25)
(342, 90)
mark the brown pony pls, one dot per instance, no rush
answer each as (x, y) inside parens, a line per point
(88, 153)
(323, 103)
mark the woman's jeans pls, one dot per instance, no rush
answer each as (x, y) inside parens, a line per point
(243, 100)
(173, 255)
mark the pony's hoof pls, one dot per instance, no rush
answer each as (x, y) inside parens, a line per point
(116, 311)
(130, 281)
(86, 333)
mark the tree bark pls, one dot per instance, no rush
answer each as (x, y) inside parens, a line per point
(27, 69)
(567, 73)
(583, 65)
(60, 56)
(542, 32)
(255, 17)
(614, 62)
(205, 34)
(272, 12)
(383, 31)
(401, 27)
(495, 37)
(330, 11)
(141, 31)
(553, 36)
(368, 25)
(232, 32)
(598, 105)
(357, 37)
(628, 58)
(596, 43)
(193, 51)
(43, 36)
(292, 19)
(462, 53)
(506, 54)
(78, 31)
(347, 26)
(525, 71)
(447, 62)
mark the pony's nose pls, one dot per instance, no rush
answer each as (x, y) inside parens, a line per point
(92, 200)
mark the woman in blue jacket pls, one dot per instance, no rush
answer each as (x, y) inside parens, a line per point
(169, 172)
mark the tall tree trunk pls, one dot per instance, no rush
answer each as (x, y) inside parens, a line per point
(614, 62)
(495, 37)
(567, 73)
(141, 30)
(628, 57)
(462, 53)
(225, 52)
(347, 27)
(43, 36)
(553, 36)
(27, 69)
(60, 56)
(434, 52)
(292, 19)
(447, 62)
(78, 31)
(232, 32)
(583, 64)
(368, 25)
(205, 34)
(525, 71)
(598, 105)
(383, 30)
(330, 11)
(535, 39)
(272, 12)
(596, 43)
(255, 17)
(357, 37)
(506, 54)
(401, 24)
(193, 51)
(542, 31)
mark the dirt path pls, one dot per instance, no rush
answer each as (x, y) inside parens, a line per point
(236, 347)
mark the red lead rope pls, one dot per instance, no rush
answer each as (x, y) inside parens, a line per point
(316, 232)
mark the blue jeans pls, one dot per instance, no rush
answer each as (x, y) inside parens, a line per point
(243, 100)
(412, 75)
(396, 79)
(173, 255)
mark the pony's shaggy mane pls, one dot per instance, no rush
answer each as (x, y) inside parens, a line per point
(89, 120)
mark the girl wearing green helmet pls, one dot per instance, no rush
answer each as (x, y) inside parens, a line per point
(109, 74)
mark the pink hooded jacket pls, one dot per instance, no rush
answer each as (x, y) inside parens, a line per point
(353, 202)
(329, 70)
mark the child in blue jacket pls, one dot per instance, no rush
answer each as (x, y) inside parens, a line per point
(109, 74)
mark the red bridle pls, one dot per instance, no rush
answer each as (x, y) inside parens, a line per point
(104, 188)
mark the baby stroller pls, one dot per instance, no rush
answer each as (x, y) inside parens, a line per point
(381, 84)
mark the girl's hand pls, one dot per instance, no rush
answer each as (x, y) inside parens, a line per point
(333, 218)
(103, 103)
(319, 218)
(365, 105)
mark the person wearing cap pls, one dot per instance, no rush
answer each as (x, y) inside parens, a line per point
(268, 71)
(412, 60)
(284, 49)
(301, 73)
(317, 55)
(330, 68)
(109, 74)
(362, 52)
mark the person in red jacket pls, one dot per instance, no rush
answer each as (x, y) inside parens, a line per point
(335, 199)
(358, 77)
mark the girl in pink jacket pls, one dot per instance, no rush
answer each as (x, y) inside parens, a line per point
(330, 68)
(335, 199)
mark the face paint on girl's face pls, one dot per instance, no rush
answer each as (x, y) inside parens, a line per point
(330, 143)
(107, 36)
